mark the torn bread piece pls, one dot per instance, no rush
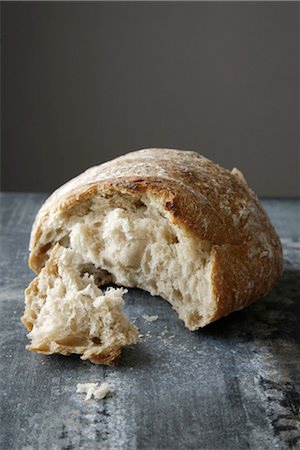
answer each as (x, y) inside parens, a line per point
(66, 312)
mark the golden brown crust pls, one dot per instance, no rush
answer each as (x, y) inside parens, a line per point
(209, 202)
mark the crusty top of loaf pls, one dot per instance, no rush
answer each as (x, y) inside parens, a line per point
(210, 202)
(213, 202)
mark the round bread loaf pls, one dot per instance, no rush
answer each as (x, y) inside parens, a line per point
(169, 222)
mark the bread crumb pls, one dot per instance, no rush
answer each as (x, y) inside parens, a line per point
(141, 335)
(172, 337)
(150, 318)
(92, 389)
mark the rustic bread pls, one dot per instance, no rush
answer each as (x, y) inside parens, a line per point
(170, 222)
(67, 313)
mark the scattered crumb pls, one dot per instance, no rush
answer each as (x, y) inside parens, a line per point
(92, 389)
(150, 318)
(164, 332)
(194, 347)
(172, 337)
(141, 335)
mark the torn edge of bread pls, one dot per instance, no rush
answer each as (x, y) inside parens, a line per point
(66, 312)
(133, 243)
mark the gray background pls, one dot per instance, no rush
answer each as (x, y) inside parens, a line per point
(85, 82)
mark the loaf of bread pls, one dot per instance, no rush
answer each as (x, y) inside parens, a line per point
(166, 221)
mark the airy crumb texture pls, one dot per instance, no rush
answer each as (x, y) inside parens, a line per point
(93, 390)
(133, 244)
(67, 313)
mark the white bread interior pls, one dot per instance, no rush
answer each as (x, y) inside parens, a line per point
(136, 244)
(67, 312)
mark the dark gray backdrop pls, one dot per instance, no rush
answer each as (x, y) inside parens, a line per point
(85, 82)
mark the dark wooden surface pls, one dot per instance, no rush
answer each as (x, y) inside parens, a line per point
(233, 385)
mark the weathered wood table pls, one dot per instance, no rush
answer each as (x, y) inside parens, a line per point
(233, 385)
